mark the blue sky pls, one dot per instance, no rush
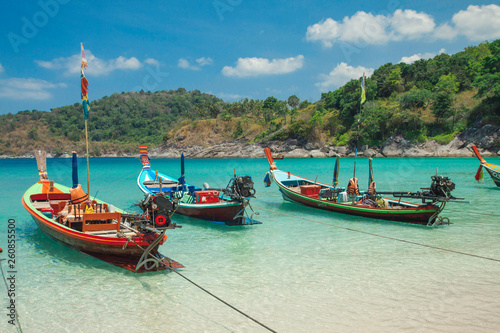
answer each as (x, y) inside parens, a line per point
(231, 48)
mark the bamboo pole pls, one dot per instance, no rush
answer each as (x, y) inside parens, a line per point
(87, 144)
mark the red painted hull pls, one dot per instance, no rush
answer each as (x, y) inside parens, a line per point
(89, 245)
(124, 251)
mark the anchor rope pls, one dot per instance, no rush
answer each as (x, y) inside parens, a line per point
(386, 237)
(476, 213)
(221, 300)
(18, 326)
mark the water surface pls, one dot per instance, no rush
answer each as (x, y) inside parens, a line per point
(301, 270)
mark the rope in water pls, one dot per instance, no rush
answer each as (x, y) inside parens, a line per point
(382, 236)
(226, 303)
(476, 213)
(18, 326)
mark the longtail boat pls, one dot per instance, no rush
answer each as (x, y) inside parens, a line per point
(369, 204)
(493, 170)
(227, 206)
(93, 226)
(97, 228)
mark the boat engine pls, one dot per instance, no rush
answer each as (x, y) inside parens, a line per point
(441, 187)
(240, 187)
(158, 209)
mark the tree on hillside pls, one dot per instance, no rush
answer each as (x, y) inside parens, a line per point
(381, 76)
(304, 104)
(269, 108)
(280, 108)
(437, 67)
(446, 88)
(394, 80)
(447, 84)
(488, 83)
(416, 98)
(293, 102)
(476, 60)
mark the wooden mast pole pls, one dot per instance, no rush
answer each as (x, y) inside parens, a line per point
(85, 111)
(87, 144)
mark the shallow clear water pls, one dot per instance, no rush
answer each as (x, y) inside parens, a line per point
(301, 270)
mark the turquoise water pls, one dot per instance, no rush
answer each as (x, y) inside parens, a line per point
(296, 272)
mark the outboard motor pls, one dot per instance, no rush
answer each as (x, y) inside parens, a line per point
(158, 209)
(240, 187)
(441, 186)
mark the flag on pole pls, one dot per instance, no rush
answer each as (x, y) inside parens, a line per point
(479, 173)
(336, 172)
(84, 60)
(84, 86)
(363, 94)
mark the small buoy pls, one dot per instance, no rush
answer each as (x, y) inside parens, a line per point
(1, 250)
(206, 186)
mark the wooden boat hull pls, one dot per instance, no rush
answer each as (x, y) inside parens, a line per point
(91, 244)
(494, 173)
(227, 212)
(492, 169)
(416, 214)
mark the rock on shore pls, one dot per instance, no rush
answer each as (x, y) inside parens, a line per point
(485, 137)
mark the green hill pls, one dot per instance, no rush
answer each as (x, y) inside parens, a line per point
(430, 99)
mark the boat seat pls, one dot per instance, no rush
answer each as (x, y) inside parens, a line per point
(41, 204)
(156, 182)
(105, 221)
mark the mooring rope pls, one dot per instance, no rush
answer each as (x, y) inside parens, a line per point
(476, 213)
(18, 326)
(221, 300)
(382, 236)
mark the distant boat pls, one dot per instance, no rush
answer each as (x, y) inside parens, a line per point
(336, 199)
(278, 156)
(493, 170)
(96, 227)
(226, 206)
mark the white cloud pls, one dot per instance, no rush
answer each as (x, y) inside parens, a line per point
(204, 61)
(418, 56)
(151, 61)
(184, 63)
(71, 65)
(20, 88)
(364, 28)
(445, 31)
(341, 74)
(478, 23)
(325, 31)
(409, 23)
(246, 67)
(360, 28)
(1, 69)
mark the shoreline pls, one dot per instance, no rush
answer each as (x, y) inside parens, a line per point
(485, 137)
(393, 148)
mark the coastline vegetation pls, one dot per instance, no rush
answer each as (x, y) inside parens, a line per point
(430, 99)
